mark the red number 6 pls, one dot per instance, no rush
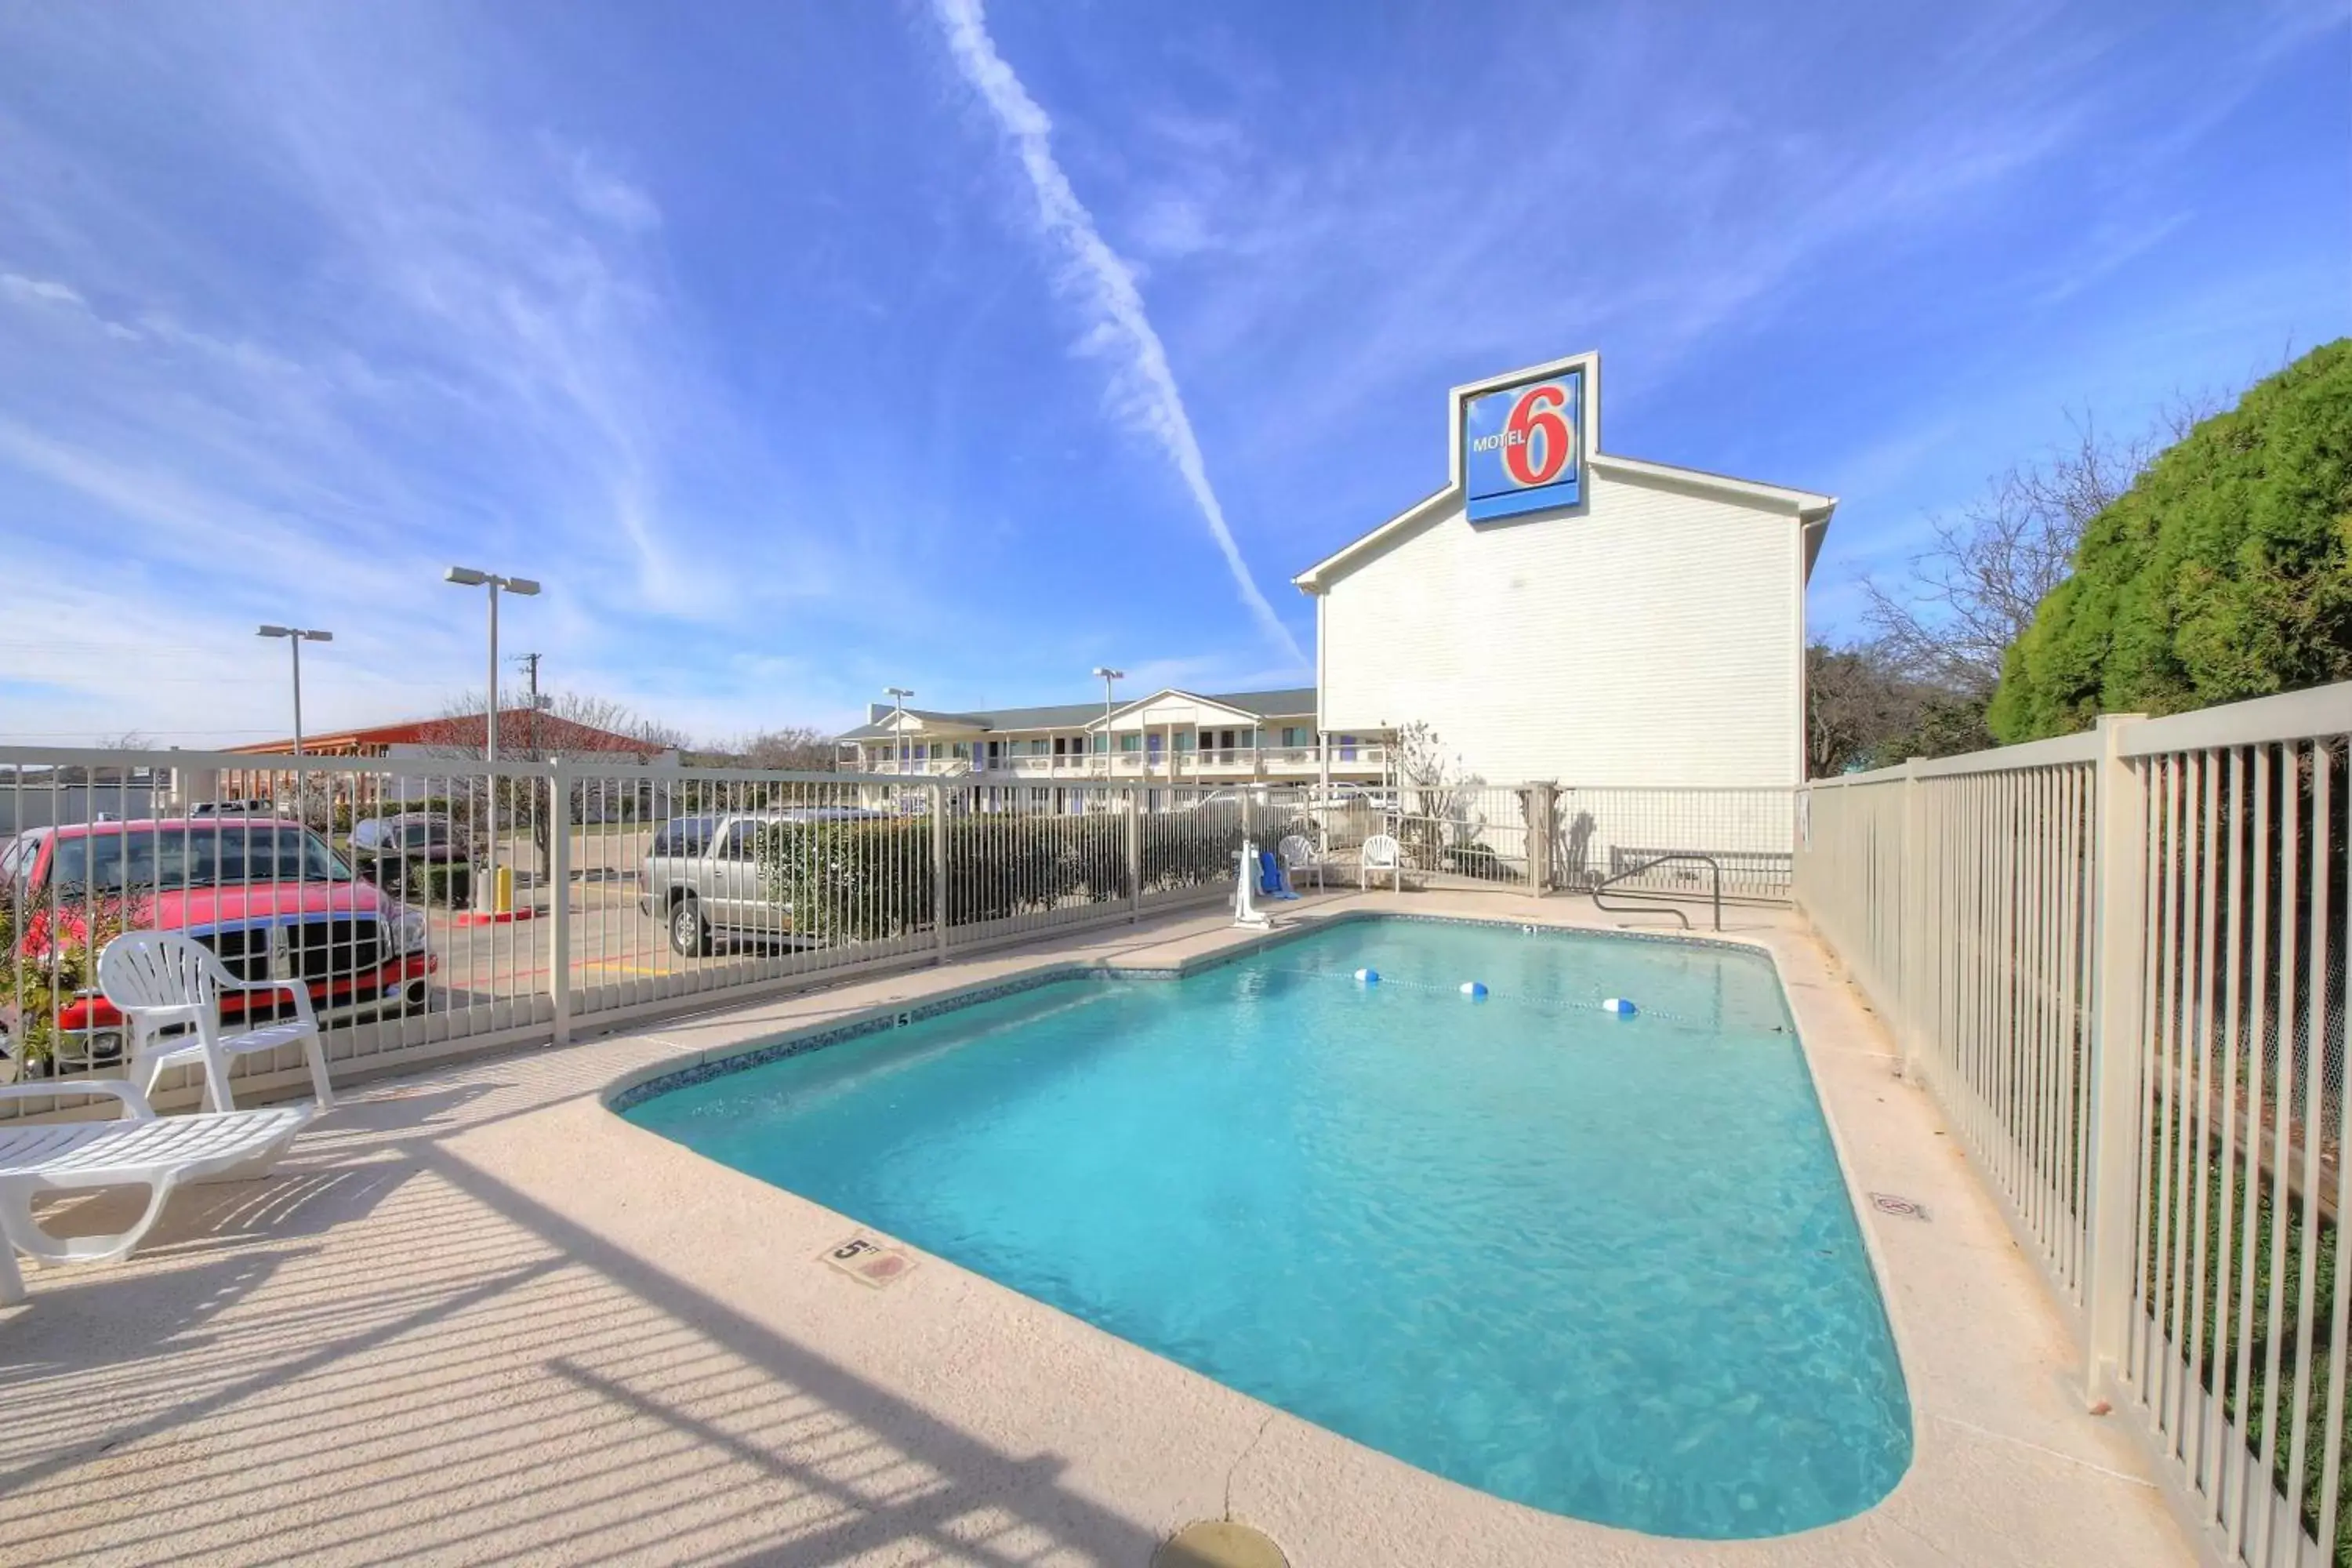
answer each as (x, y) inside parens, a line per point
(1537, 413)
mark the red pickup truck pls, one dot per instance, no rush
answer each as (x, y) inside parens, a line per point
(269, 897)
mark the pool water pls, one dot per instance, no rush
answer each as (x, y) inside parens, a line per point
(1605, 1267)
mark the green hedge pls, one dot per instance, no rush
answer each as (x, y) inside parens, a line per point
(869, 881)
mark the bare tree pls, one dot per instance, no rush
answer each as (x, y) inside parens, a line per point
(458, 733)
(1859, 705)
(1968, 596)
(792, 748)
(523, 738)
(1949, 622)
(1435, 798)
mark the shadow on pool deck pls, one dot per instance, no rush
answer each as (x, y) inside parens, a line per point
(478, 1318)
(385, 1352)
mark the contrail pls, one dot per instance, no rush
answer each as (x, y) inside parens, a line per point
(1144, 386)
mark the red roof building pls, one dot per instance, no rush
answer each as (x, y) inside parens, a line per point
(521, 733)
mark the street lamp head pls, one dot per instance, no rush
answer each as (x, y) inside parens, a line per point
(901, 692)
(275, 632)
(1106, 673)
(522, 585)
(317, 636)
(464, 576)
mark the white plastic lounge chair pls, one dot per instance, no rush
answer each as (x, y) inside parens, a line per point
(140, 1148)
(160, 980)
(1381, 853)
(1297, 855)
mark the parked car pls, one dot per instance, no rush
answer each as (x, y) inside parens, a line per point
(701, 877)
(1232, 796)
(269, 896)
(1346, 797)
(400, 854)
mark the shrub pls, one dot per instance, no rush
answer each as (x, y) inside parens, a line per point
(48, 955)
(869, 880)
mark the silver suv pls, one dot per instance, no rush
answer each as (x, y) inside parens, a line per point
(701, 877)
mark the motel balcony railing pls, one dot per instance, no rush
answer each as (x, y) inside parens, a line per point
(1220, 764)
(922, 767)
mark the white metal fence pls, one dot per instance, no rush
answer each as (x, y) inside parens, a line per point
(2117, 960)
(439, 904)
(431, 906)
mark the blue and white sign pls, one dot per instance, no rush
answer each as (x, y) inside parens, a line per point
(1523, 446)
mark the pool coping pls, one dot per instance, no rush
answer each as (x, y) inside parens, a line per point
(646, 1083)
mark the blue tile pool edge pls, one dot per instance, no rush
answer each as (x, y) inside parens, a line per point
(634, 1087)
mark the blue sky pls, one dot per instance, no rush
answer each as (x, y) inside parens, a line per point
(801, 349)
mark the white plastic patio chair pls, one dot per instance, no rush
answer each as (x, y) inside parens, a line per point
(139, 1149)
(161, 980)
(1380, 853)
(1298, 854)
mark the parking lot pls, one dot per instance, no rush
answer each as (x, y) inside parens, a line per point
(612, 937)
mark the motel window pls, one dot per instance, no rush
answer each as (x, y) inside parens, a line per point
(1130, 742)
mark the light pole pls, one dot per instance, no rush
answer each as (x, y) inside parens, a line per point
(1108, 675)
(899, 726)
(466, 577)
(295, 638)
(487, 897)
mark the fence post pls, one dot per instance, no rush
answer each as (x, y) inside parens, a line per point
(2120, 873)
(1542, 807)
(558, 896)
(938, 794)
(1911, 953)
(1134, 856)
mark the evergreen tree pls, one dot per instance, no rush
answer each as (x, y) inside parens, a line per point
(2224, 573)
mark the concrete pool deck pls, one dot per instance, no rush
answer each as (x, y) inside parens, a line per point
(476, 1317)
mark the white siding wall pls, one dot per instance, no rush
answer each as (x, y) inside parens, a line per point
(1654, 640)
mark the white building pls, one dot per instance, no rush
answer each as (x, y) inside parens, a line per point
(1556, 612)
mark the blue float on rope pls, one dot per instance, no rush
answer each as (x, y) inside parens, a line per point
(1618, 1006)
(1475, 989)
(1369, 976)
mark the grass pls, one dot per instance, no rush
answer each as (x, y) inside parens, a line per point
(2280, 1242)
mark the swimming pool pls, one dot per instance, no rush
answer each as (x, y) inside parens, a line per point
(1606, 1267)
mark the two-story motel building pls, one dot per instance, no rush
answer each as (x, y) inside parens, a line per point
(1553, 612)
(1172, 738)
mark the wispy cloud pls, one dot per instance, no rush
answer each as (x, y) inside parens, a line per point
(1143, 387)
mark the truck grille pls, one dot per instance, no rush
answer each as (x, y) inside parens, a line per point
(316, 950)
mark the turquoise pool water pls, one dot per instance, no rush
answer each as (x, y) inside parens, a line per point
(1603, 1266)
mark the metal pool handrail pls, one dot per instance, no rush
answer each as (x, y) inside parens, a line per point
(1712, 864)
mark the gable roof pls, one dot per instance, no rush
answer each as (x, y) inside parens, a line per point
(1809, 507)
(1290, 702)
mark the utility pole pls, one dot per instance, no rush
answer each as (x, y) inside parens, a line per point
(531, 660)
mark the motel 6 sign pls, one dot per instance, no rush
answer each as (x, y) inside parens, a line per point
(1522, 440)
